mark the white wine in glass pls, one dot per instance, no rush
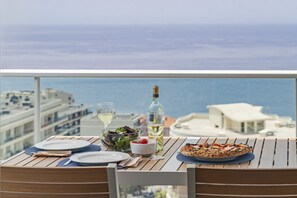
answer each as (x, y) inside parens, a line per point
(155, 129)
(105, 118)
(105, 113)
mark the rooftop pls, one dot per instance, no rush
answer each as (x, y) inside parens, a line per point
(14, 102)
(198, 125)
(241, 112)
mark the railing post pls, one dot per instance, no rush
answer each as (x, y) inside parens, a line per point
(296, 105)
(37, 109)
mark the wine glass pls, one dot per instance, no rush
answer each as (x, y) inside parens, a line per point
(105, 113)
(155, 128)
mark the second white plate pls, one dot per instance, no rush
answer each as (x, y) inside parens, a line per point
(54, 145)
(98, 157)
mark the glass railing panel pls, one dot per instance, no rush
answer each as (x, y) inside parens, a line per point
(188, 103)
(191, 106)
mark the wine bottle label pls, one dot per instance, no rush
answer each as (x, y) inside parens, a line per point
(155, 118)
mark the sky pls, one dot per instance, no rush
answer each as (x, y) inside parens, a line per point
(142, 12)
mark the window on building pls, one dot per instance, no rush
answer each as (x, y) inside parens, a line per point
(8, 134)
(250, 127)
(260, 125)
(242, 127)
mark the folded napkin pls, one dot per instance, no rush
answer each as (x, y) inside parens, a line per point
(52, 154)
(131, 162)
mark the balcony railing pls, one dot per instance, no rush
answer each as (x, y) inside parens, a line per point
(39, 74)
(150, 73)
(27, 131)
(9, 139)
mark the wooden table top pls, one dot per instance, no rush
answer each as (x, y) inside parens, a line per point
(270, 153)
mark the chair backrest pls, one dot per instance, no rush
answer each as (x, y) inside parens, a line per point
(60, 182)
(211, 182)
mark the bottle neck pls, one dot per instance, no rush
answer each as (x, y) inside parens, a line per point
(155, 99)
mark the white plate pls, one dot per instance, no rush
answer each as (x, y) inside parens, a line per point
(99, 157)
(54, 145)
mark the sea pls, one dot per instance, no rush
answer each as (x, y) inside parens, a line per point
(155, 47)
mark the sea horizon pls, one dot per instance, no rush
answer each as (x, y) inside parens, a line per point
(155, 47)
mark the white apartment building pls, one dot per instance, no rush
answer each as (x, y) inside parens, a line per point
(59, 116)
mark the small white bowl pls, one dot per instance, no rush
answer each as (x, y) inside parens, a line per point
(143, 149)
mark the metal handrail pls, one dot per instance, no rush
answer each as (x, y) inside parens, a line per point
(149, 73)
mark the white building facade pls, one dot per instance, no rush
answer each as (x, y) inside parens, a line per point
(59, 116)
(239, 117)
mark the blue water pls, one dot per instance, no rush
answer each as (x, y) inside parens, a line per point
(178, 96)
(157, 47)
(150, 47)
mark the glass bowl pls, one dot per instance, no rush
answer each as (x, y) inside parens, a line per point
(119, 140)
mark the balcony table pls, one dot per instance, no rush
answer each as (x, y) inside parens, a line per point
(270, 153)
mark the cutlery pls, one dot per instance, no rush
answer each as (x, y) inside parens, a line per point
(66, 163)
(134, 162)
(125, 162)
(51, 153)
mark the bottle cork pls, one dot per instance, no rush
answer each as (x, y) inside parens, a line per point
(156, 91)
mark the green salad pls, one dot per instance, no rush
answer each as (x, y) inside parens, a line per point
(120, 139)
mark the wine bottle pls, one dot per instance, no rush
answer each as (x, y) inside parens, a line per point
(156, 119)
